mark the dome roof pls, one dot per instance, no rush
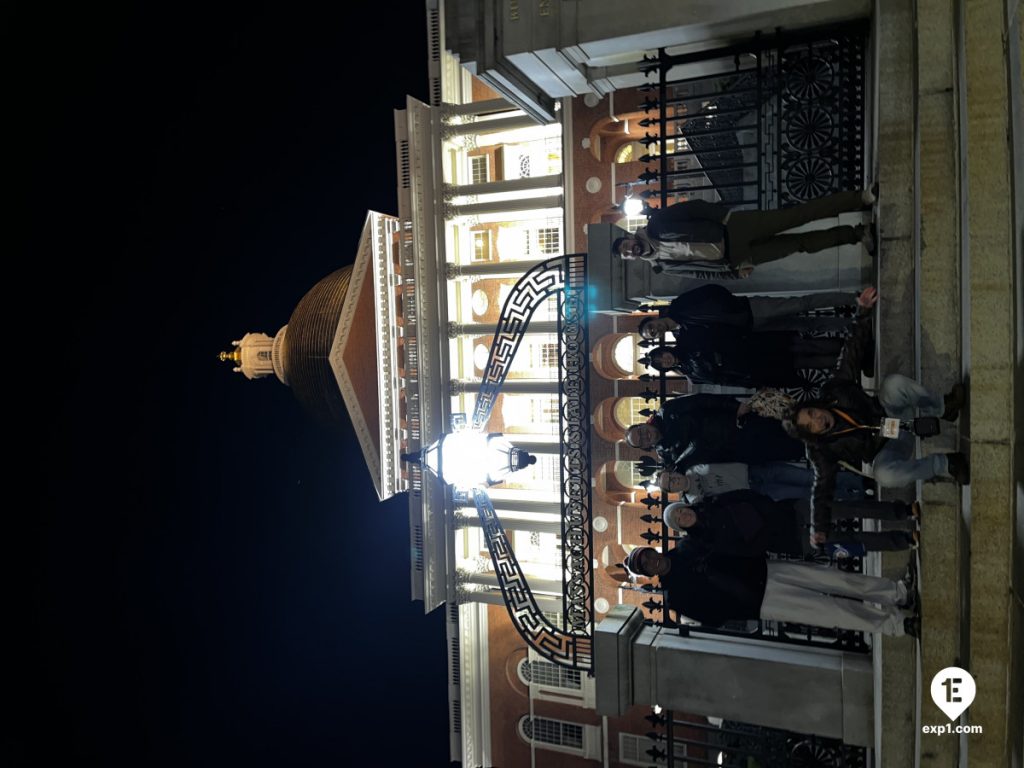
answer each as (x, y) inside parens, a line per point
(307, 347)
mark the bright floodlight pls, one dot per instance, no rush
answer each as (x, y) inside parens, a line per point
(471, 459)
(632, 206)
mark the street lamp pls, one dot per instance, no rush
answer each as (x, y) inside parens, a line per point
(632, 206)
(468, 458)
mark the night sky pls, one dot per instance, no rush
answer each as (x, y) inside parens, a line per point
(210, 579)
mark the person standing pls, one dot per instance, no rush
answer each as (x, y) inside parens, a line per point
(714, 588)
(706, 240)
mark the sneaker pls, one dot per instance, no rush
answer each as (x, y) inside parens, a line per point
(912, 604)
(915, 510)
(959, 468)
(910, 577)
(868, 239)
(869, 196)
(953, 402)
(912, 626)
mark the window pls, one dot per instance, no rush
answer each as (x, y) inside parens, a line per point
(524, 166)
(626, 154)
(627, 411)
(543, 413)
(478, 169)
(624, 355)
(550, 239)
(549, 674)
(549, 355)
(628, 474)
(633, 223)
(264, 355)
(482, 246)
(634, 749)
(559, 733)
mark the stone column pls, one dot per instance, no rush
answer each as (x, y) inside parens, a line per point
(491, 269)
(482, 127)
(489, 329)
(523, 505)
(505, 206)
(818, 691)
(470, 520)
(510, 387)
(509, 185)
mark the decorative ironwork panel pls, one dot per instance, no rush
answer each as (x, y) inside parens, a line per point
(570, 649)
(574, 420)
(780, 122)
(532, 289)
(566, 278)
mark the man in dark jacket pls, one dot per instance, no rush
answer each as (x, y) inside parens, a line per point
(713, 304)
(708, 240)
(714, 588)
(698, 429)
(846, 426)
(751, 524)
(731, 357)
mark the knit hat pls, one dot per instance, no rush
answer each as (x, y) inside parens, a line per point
(632, 561)
(669, 514)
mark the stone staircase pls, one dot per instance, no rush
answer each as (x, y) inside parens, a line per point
(949, 310)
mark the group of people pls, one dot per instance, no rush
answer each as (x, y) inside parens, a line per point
(742, 500)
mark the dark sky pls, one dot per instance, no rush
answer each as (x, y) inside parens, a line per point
(210, 578)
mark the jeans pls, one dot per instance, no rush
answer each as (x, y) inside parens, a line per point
(895, 465)
(781, 480)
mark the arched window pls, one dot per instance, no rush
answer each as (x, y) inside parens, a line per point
(557, 733)
(549, 674)
(627, 411)
(624, 354)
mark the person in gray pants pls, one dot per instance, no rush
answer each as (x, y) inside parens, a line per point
(708, 241)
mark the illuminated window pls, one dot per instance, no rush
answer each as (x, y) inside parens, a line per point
(543, 412)
(478, 169)
(624, 355)
(625, 154)
(549, 674)
(524, 166)
(628, 475)
(264, 355)
(549, 355)
(633, 223)
(482, 246)
(550, 239)
(627, 411)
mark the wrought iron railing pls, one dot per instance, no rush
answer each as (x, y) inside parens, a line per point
(793, 634)
(693, 742)
(564, 277)
(777, 120)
